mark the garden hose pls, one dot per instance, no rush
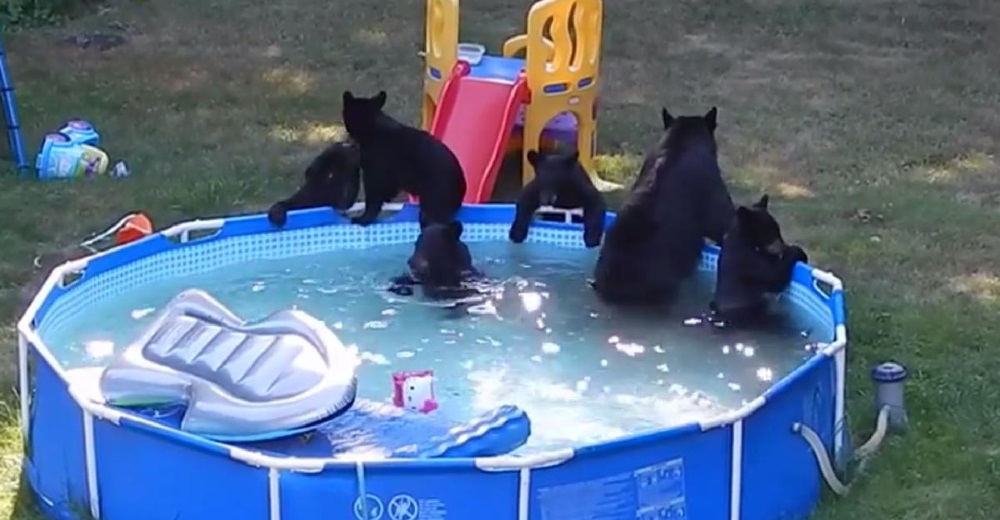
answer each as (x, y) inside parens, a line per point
(861, 454)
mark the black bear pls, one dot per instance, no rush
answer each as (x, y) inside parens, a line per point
(678, 199)
(396, 157)
(560, 181)
(42, 268)
(332, 179)
(755, 261)
(441, 263)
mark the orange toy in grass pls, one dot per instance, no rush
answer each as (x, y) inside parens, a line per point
(135, 226)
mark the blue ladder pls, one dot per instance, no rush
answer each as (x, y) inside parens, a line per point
(14, 143)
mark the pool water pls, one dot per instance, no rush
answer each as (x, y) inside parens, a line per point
(582, 370)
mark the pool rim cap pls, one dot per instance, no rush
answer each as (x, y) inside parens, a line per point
(889, 372)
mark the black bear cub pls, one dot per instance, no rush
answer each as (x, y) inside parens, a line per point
(678, 199)
(332, 179)
(755, 261)
(560, 181)
(441, 263)
(396, 157)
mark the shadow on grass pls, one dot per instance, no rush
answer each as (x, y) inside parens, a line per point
(18, 502)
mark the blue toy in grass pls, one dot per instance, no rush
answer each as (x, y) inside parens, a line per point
(71, 152)
(60, 157)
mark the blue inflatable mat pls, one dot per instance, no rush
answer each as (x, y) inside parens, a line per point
(381, 430)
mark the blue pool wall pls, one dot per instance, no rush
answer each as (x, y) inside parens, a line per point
(85, 460)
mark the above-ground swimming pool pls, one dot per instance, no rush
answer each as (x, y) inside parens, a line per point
(670, 450)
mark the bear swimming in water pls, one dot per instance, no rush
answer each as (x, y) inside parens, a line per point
(441, 264)
(755, 262)
(679, 198)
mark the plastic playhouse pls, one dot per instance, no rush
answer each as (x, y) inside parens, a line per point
(479, 104)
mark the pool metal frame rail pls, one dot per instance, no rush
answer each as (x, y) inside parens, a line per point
(111, 462)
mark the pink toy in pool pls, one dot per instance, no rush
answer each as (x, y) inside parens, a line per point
(414, 390)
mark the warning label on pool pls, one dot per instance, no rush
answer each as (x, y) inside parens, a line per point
(399, 507)
(651, 493)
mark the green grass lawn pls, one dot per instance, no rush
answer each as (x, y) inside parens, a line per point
(873, 124)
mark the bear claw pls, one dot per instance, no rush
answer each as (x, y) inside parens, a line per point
(277, 217)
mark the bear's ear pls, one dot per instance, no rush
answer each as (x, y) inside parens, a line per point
(348, 97)
(533, 158)
(667, 118)
(711, 118)
(762, 203)
(380, 99)
(456, 228)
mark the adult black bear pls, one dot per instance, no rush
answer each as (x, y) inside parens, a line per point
(396, 157)
(678, 199)
(755, 261)
(332, 179)
(441, 263)
(560, 181)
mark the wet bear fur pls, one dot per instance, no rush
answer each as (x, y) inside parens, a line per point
(333, 179)
(396, 157)
(560, 181)
(678, 199)
(755, 262)
(441, 264)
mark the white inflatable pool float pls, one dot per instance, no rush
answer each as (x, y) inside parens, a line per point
(238, 380)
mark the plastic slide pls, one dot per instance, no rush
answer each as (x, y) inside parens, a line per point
(474, 118)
